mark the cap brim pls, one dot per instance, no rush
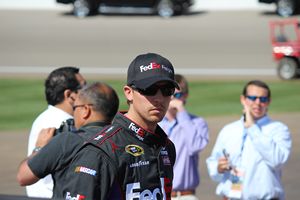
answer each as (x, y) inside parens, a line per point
(145, 83)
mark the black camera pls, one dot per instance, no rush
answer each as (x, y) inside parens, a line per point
(66, 126)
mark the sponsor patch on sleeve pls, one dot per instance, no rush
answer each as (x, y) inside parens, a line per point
(81, 169)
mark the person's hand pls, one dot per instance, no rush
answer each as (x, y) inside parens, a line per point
(248, 118)
(223, 165)
(45, 136)
(176, 104)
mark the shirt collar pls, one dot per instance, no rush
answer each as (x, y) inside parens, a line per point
(265, 119)
(158, 137)
(50, 107)
(97, 124)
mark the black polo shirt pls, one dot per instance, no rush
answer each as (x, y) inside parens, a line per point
(55, 157)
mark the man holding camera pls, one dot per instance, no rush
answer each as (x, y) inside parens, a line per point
(95, 107)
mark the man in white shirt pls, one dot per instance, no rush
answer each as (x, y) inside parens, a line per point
(249, 154)
(61, 87)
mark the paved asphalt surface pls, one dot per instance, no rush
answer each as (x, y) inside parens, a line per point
(203, 39)
(219, 39)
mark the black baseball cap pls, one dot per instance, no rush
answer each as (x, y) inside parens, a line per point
(148, 69)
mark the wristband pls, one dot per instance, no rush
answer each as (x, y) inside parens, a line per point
(36, 149)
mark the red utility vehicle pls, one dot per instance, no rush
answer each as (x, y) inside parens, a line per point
(285, 38)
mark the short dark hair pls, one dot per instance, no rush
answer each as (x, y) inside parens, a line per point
(257, 83)
(182, 82)
(58, 81)
(103, 97)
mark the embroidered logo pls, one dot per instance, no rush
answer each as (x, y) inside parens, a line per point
(114, 147)
(77, 197)
(134, 150)
(139, 164)
(80, 169)
(151, 66)
(166, 160)
(99, 137)
(140, 133)
(163, 152)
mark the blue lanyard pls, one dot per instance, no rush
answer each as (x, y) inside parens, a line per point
(172, 127)
(243, 140)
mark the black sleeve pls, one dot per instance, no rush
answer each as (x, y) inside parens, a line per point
(171, 146)
(91, 174)
(56, 154)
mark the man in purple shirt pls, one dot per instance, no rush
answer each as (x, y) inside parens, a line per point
(189, 133)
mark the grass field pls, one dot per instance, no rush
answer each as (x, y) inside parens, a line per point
(23, 99)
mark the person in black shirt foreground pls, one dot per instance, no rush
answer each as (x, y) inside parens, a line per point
(94, 108)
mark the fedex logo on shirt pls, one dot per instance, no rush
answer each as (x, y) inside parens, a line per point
(133, 191)
(77, 197)
(139, 131)
(151, 66)
(132, 194)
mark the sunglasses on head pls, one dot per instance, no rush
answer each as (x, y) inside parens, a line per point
(166, 90)
(261, 99)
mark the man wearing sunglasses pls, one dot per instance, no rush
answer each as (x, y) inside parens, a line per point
(148, 151)
(249, 154)
(189, 133)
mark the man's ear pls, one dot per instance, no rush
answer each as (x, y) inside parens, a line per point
(68, 95)
(87, 112)
(128, 92)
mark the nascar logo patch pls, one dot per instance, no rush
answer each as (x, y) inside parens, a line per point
(134, 150)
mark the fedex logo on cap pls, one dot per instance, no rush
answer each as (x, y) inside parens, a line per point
(151, 66)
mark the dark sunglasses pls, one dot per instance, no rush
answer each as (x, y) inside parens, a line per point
(166, 90)
(178, 95)
(261, 99)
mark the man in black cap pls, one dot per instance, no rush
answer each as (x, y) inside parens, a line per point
(132, 158)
